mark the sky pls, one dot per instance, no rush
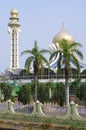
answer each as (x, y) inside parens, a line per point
(41, 20)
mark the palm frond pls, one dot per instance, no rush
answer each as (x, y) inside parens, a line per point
(77, 53)
(26, 52)
(75, 45)
(44, 51)
(75, 62)
(28, 62)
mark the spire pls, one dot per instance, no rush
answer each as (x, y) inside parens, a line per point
(62, 27)
(14, 38)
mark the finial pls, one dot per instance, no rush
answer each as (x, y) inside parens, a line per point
(62, 27)
(14, 13)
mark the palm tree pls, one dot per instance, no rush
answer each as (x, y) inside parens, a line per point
(68, 53)
(37, 60)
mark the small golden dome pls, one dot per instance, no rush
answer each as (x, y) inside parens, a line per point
(63, 35)
(14, 13)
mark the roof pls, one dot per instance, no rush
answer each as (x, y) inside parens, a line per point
(63, 34)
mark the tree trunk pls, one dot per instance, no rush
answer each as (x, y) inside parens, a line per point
(66, 84)
(0, 95)
(35, 81)
(50, 93)
(67, 94)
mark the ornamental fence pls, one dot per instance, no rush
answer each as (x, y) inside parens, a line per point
(72, 112)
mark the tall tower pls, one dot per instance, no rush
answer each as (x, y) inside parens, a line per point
(14, 38)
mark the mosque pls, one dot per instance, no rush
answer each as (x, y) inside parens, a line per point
(17, 73)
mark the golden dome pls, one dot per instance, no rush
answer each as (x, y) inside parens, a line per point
(63, 35)
(14, 13)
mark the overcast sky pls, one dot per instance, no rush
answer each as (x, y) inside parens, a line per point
(41, 20)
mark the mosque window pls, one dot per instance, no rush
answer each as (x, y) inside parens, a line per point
(72, 91)
(12, 56)
(13, 46)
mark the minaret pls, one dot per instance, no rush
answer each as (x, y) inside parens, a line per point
(14, 39)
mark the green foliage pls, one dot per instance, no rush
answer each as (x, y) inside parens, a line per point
(24, 94)
(81, 91)
(59, 94)
(75, 127)
(6, 90)
(50, 84)
(47, 123)
(43, 93)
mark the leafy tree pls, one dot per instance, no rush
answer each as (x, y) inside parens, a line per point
(24, 94)
(81, 92)
(50, 85)
(59, 94)
(43, 93)
(37, 60)
(68, 53)
(6, 90)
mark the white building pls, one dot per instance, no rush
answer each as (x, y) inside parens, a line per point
(14, 72)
